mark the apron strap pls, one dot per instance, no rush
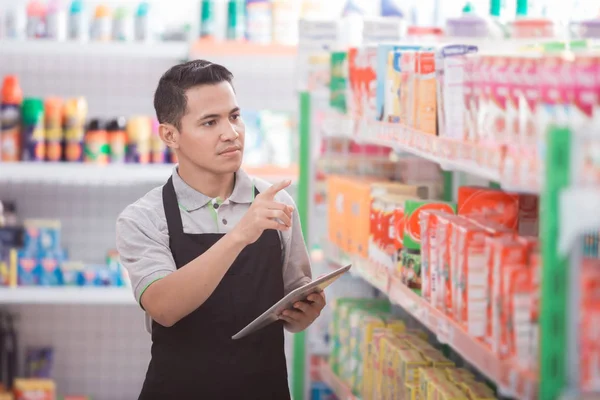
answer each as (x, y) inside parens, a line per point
(171, 207)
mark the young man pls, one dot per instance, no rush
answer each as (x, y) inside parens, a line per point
(211, 250)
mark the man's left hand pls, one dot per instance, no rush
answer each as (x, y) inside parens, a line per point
(304, 313)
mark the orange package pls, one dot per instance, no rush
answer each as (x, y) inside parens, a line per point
(509, 255)
(356, 198)
(335, 210)
(441, 277)
(590, 325)
(518, 318)
(492, 204)
(471, 281)
(429, 261)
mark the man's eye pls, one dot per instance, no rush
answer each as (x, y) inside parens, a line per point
(209, 123)
(235, 117)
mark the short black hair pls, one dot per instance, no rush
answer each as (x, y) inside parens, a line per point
(170, 101)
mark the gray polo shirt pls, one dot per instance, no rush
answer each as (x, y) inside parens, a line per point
(143, 236)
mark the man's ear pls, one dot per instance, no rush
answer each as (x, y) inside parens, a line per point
(169, 134)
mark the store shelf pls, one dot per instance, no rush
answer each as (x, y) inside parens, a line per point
(39, 47)
(114, 174)
(339, 387)
(204, 47)
(511, 382)
(67, 295)
(451, 155)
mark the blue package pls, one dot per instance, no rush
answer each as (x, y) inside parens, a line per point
(42, 236)
(382, 59)
(49, 271)
(90, 276)
(72, 273)
(26, 269)
(320, 391)
(104, 276)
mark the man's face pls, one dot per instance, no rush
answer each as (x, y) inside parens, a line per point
(212, 131)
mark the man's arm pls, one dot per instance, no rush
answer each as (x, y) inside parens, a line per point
(170, 298)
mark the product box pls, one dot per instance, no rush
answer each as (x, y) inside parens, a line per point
(27, 269)
(492, 204)
(459, 375)
(385, 76)
(428, 376)
(357, 210)
(50, 273)
(408, 88)
(472, 93)
(412, 228)
(42, 236)
(362, 77)
(471, 283)
(428, 222)
(39, 389)
(397, 84)
(338, 82)
(590, 317)
(451, 64)
(410, 362)
(510, 255)
(426, 93)
(519, 316)
(441, 277)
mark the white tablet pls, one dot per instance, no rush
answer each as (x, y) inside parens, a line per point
(272, 314)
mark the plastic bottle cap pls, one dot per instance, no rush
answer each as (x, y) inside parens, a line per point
(522, 7)
(468, 8)
(53, 106)
(11, 90)
(102, 11)
(495, 8)
(76, 7)
(33, 110)
(36, 9)
(96, 125)
(121, 13)
(142, 9)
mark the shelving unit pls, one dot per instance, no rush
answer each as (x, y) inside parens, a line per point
(41, 47)
(339, 387)
(114, 174)
(67, 295)
(510, 380)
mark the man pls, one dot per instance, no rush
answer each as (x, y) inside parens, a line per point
(211, 250)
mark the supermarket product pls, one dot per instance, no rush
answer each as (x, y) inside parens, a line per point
(207, 18)
(426, 89)
(40, 389)
(26, 270)
(410, 270)
(139, 133)
(451, 64)
(78, 23)
(33, 134)
(96, 143)
(117, 139)
(101, 24)
(468, 25)
(10, 119)
(258, 21)
(38, 362)
(510, 255)
(72, 273)
(15, 19)
(75, 114)
(142, 22)
(362, 77)
(590, 317)
(36, 16)
(338, 81)
(428, 221)
(56, 21)
(442, 297)
(53, 113)
(42, 236)
(493, 204)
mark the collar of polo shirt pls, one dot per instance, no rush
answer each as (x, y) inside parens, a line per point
(190, 199)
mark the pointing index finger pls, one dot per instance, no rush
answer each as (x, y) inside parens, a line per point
(276, 188)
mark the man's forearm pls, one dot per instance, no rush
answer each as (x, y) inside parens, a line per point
(183, 291)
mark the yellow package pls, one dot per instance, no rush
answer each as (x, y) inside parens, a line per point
(428, 376)
(6, 396)
(411, 392)
(43, 389)
(390, 351)
(418, 333)
(373, 336)
(410, 362)
(445, 390)
(437, 359)
(477, 391)
(459, 375)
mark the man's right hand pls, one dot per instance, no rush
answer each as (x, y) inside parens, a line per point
(264, 213)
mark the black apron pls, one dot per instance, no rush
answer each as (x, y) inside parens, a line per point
(196, 358)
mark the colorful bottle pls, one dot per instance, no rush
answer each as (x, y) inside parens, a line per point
(235, 19)
(258, 21)
(56, 21)
(96, 143)
(78, 23)
(121, 25)
(33, 134)
(75, 113)
(10, 119)
(285, 19)
(102, 24)
(139, 133)
(36, 19)
(53, 111)
(117, 139)
(142, 22)
(15, 21)
(207, 18)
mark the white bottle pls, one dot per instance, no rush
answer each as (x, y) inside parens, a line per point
(56, 21)
(15, 22)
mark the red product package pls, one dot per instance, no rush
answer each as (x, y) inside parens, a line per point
(495, 205)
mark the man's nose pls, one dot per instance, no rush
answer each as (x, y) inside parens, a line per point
(230, 133)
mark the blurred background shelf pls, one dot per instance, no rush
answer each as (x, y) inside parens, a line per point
(67, 295)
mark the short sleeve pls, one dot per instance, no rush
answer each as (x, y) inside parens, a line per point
(143, 249)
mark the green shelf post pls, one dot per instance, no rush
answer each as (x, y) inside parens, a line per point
(448, 185)
(554, 296)
(303, 203)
